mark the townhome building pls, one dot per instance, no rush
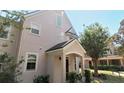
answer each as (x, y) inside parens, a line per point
(49, 47)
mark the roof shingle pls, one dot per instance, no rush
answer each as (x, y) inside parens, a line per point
(59, 45)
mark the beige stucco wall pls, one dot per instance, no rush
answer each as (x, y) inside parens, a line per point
(50, 35)
(55, 65)
(74, 47)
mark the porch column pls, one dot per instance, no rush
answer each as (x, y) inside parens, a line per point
(107, 62)
(72, 60)
(77, 64)
(121, 61)
(82, 64)
(63, 68)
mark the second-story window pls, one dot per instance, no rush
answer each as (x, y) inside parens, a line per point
(4, 32)
(58, 21)
(35, 29)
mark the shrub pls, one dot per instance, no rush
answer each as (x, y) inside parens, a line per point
(73, 77)
(10, 69)
(102, 76)
(41, 79)
(79, 77)
(111, 68)
(87, 76)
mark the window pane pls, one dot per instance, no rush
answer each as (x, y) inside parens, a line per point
(35, 31)
(30, 66)
(31, 61)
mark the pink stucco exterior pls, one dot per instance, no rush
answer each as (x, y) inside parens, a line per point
(50, 35)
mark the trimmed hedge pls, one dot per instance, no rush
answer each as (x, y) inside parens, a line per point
(87, 76)
(41, 79)
(73, 77)
(111, 68)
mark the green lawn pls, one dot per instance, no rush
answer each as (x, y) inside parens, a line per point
(111, 77)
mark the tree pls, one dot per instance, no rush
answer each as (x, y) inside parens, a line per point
(94, 40)
(14, 18)
(118, 40)
(9, 69)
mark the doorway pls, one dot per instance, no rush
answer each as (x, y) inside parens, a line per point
(67, 67)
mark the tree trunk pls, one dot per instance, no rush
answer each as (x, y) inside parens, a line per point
(95, 61)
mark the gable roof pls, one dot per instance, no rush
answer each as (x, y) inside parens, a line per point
(72, 32)
(59, 45)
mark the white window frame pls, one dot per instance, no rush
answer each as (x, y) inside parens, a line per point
(26, 58)
(8, 36)
(33, 26)
(59, 26)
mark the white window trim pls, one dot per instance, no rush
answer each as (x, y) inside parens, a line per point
(61, 20)
(8, 36)
(39, 28)
(26, 58)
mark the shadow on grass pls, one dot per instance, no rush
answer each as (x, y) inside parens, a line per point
(109, 79)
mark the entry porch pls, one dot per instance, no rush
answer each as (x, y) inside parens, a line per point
(69, 57)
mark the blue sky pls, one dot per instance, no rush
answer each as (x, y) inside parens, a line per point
(108, 18)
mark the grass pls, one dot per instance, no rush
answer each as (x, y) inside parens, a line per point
(111, 77)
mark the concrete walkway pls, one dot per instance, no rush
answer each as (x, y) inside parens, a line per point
(117, 73)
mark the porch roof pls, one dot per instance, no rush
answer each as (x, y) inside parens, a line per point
(113, 57)
(59, 45)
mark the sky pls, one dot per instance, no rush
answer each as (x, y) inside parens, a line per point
(107, 18)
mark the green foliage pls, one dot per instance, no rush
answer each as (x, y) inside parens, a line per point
(9, 69)
(110, 68)
(79, 77)
(11, 18)
(73, 77)
(118, 39)
(41, 79)
(87, 76)
(15, 18)
(121, 50)
(94, 40)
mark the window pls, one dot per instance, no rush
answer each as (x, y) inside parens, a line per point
(4, 32)
(31, 61)
(58, 21)
(35, 29)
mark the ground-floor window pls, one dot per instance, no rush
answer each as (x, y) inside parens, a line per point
(31, 60)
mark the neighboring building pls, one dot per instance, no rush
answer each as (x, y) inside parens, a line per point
(49, 47)
(113, 57)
